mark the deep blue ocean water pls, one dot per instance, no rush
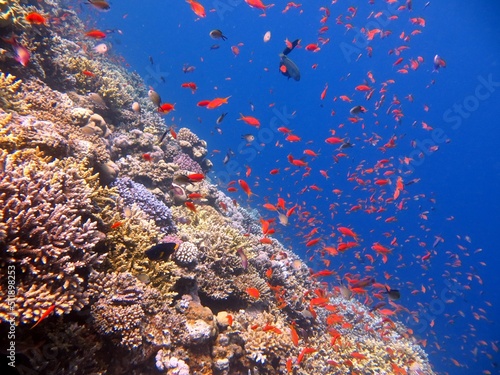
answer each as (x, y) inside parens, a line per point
(456, 196)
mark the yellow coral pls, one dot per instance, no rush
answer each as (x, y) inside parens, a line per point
(9, 97)
(129, 240)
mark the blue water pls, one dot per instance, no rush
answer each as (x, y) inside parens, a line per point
(458, 184)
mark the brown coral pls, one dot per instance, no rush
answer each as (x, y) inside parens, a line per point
(49, 236)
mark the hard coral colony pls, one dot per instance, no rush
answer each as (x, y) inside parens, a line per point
(77, 236)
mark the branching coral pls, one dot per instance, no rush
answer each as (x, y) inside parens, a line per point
(10, 97)
(49, 236)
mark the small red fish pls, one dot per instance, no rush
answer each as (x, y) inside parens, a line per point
(96, 34)
(88, 73)
(245, 187)
(36, 19)
(196, 177)
(166, 108)
(190, 206)
(253, 292)
(250, 120)
(44, 315)
(147, 156)
(197, 8)
(116, 224)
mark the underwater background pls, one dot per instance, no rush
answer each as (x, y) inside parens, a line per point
(402, 194)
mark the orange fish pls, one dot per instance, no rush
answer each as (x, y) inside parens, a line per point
(363, 88)
(347, 232)
(196, 177)
(250, 120)
(166, 108)
(96, 34)
(197, 8)
(190, 206)
(253, 292)
(44, 315)
(323, 94)
(312, 47)
(88, 73)
(190, 85)
(295, 336)
(36, 19)
(258, 4)
(245, 187)
(217, 102)
(116, 224)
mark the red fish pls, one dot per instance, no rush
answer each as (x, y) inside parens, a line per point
(96, 34)
(203, 103)
(196, 177)
(217, 102)
(36, 19)
(245, 187)
(44, 315)
(250, 120)
(258, 4)
(323, 94)
(190, 85)
(190, 206)
(197, 8)
(166, 108)
(253, 292)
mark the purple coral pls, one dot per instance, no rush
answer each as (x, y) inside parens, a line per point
(185, 162)
(134, 192)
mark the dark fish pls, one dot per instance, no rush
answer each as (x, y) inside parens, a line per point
(188, 68)
(151, 60)
(346, 145)
(97, 100)
(288, 68)
(392, 293)
(228, 156)
(217, 34)
(364, 282)
(377, 306)
(163, 136)
(357, 109)
(155, 97)
(161, 251)
(287, 50)
(215, 46)
(99, 4)
(221, 117)
(162, 79)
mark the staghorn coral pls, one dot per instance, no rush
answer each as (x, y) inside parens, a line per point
(49, 234)
(10, 97)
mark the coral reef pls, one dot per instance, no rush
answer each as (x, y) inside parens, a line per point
(10, 98)
(49, 235)
(134, 193)
(87, 188)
